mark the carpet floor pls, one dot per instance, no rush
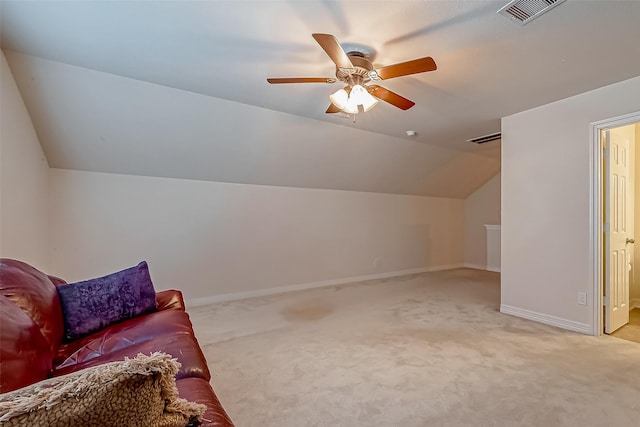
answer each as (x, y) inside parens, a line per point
(421, 350)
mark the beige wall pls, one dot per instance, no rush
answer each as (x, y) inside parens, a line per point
(546, 208)
(480, 208)
(210, 238)
(24, 207)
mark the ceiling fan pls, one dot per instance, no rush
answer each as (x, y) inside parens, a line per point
(354, 68)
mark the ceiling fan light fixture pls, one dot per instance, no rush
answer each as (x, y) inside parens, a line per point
(339, 98)
(369, 102)
(348, 99)
(360, 96)
(351, 107)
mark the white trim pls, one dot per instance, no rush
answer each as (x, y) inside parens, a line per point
(595, 215)
(475, 266)
(492, 226)
(195, 302)
(634, 303)
(547, 319)
(482, 267)
(595, 229)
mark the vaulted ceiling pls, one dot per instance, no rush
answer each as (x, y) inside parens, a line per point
(178, 88)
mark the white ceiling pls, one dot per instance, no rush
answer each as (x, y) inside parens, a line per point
(178, 88)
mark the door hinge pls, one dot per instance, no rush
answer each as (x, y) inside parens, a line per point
(605, 301)
(605, 227)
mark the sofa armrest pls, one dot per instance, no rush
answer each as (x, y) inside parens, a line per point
(170, 300)
(200, 391)
(57, 281)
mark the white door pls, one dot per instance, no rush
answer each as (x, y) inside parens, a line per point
(618, 241)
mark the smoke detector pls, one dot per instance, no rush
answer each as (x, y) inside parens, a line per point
(525, 11)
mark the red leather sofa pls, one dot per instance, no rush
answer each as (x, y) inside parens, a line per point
(31, 331)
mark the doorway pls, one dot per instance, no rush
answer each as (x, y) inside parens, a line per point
(616, 286)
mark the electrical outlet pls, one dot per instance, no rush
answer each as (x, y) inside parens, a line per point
(582, 298)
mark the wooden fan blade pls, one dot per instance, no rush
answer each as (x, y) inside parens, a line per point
(421, 65)
(301, 80)
(333, 49)
(390, 97)
(332, 109)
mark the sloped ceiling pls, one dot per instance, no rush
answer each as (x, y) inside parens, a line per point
(178, 88)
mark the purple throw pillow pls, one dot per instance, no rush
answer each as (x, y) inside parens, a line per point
(91, 305)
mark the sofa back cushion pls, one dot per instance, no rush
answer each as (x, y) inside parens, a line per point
(33, 291)
(25, 355)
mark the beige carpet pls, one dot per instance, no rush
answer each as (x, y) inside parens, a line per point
(630, 331)
(423, 350)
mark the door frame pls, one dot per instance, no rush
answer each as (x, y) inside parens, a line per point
(596, 241)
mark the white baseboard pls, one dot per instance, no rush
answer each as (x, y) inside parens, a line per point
(482, 267)
(475, 266)
(195, 302)
(634, 303)
(547, 319)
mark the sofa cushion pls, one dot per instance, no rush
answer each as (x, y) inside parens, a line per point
(34, 293)
(169, 331)
(134, 392)
(25, 355)
(200, 391)
(91, 305)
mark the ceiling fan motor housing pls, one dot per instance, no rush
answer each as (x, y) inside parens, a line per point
(360, 72)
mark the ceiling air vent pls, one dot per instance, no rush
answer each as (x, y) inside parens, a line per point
(525, 11)
(486, 138)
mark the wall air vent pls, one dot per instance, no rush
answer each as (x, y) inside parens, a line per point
(486, 138)
(525, 11)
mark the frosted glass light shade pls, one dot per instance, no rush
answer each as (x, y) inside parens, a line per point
(362, 97)
(369, 103)
(358, 94)
(348, 102)
(351, 107)
(339, 98)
